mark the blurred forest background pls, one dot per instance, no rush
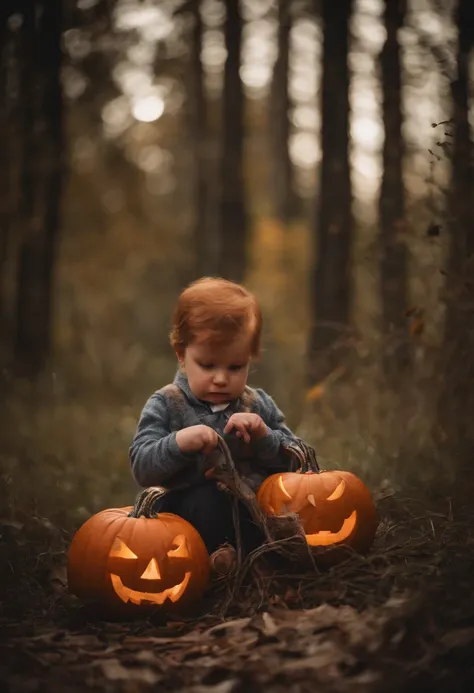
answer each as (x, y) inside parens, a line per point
(321, 152)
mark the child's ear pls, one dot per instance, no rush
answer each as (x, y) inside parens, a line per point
(180, 356)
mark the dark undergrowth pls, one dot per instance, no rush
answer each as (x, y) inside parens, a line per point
(401, 618)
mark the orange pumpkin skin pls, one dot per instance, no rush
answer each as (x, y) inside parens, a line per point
(158, 563)
(335, 507)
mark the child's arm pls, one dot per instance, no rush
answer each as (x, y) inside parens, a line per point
(268, 449)
(154, 452)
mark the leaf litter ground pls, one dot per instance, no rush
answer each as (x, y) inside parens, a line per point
(401, 619)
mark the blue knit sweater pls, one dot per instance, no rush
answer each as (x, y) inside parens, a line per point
(156, 459)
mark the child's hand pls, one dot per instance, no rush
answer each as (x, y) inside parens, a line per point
(247, 426)
(197, 439)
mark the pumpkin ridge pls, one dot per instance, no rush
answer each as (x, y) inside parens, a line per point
(113, 531)
(90, 567)
(81, 566)
(334, 504)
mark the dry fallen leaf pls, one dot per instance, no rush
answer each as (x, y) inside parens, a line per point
(315, 392)
(457, 638)
(58, 579)
(319, 389)
(115, 671)
(269, 625)
(417, 326)
(226, 686)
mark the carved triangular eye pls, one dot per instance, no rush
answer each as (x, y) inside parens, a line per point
(181, 547)
(120, 550)
(337, 493)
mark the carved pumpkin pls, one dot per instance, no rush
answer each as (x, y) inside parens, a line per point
(130, 560)
(335, 507)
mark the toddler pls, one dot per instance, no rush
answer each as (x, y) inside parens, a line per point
(215, 334)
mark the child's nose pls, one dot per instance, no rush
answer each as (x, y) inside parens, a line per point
(220, 377)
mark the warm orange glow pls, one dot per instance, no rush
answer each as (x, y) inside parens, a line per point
(136, 597)
(327, 538)
(182, 549)
(152, 571)
(120, 550)
(282, 488)
(337, 493)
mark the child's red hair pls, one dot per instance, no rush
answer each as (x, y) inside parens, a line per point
(215, 310)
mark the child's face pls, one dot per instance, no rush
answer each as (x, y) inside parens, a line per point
(217, 374)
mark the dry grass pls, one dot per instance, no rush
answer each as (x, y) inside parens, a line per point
(420, 548)
(390, 621)
(391, 616)
(64, 448)
(64, 456)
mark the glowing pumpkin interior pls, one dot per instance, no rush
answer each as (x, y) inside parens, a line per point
(323, 537)
(334, 507)
(152, 574)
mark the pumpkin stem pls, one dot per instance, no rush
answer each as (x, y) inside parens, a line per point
(145, 501)
(304, 455)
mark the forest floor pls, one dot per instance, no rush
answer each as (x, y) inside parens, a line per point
(400, 619)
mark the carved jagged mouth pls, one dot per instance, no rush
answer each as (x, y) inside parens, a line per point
(126, 594)
(327, 538)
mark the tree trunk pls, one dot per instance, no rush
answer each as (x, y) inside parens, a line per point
(41, 185)
(5, 199)
(396, 355)
(283, 192)
(233, 216)
(457, 399)
(462, 213)
(332, 280)
(205, 251)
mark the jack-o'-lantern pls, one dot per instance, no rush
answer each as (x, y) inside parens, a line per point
(335, 507)
(129, 560)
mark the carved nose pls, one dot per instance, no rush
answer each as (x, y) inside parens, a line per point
(151, 572)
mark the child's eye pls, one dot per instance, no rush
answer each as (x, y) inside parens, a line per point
(207, 366)
(235, 367)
